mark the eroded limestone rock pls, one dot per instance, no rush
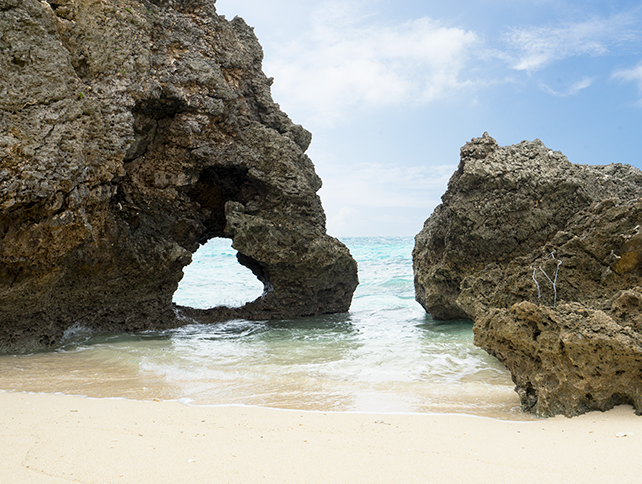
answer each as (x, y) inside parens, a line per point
(546, 258)
(584, 353)
(568, 360)
(130, 133)
(501, 203)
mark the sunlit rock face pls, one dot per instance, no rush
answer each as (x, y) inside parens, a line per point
(131, 133)
(545, 257)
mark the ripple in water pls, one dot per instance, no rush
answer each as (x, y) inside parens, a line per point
(386, 355)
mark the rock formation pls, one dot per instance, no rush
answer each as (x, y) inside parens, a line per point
(131, 133)
(546, 257)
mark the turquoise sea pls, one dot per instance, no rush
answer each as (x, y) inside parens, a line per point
(385, 355)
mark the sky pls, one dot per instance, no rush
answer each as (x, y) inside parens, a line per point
(391, 90)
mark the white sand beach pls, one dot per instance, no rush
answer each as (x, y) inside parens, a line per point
(62, 439)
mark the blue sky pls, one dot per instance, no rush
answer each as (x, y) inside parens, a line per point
(392, 89)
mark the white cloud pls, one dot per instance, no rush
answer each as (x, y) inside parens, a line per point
(631, 75)
(357, 197)
(378, 185)
(349, 61)
(535, 47)
(569, 91)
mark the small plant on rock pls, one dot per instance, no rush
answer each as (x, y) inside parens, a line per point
(552, 281)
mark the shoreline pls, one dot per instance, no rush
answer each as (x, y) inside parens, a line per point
(52, 438)
(515, 415)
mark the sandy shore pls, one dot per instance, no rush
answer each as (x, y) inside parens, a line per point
(61, 439)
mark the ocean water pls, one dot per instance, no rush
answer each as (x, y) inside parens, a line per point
(385, 355)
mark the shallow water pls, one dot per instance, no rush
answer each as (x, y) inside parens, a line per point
(385, 355)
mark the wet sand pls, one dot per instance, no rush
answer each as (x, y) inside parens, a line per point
(62, 439)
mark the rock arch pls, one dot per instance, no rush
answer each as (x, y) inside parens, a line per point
(215, 277)
(130, 136)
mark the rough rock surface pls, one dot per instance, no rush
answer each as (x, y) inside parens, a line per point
(546, 258)
(130, 133)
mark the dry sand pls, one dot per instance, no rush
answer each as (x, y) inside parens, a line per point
(62, 439)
